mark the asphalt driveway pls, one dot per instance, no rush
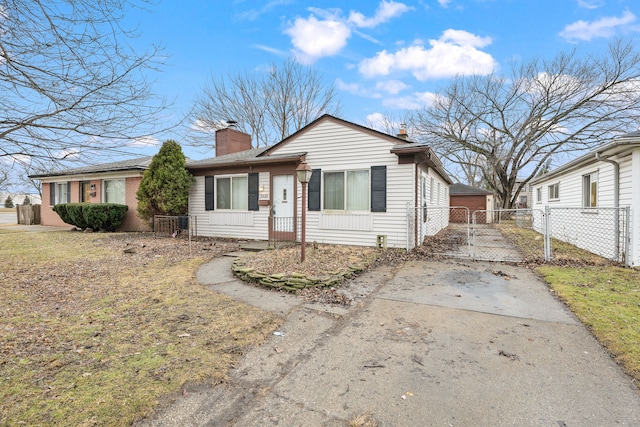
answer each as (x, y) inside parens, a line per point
(452, 343)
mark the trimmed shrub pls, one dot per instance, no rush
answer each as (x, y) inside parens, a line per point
(96, 216)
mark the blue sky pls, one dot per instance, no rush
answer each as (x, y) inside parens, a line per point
(383, 56)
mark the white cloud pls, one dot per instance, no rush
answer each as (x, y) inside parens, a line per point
(604, 27)
(313, 39)
(590, 4)
(444, 3)
(270, 49)
(392, 86)
(386, 11)
(144, 141)
(455, 52)
(414, 101)
(356, 89)
(325, 32)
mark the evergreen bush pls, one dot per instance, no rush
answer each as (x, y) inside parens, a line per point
(8, 203)
(96, 216)
(164, 189)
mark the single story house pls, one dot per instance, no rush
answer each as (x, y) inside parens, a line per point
(367, 187)
(473, 199)
(115, 182)
(364, 187)
(583, 193)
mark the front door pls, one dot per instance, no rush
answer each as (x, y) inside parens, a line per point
(283, 202)
(85, 191)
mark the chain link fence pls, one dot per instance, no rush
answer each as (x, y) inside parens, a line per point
(453, 231)
(602, 231)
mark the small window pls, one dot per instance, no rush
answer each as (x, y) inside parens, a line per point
(431, 191)
(539, 195)
(114, 191)
(346, 190)
(590, 190)
(554, 191)
(232, 193)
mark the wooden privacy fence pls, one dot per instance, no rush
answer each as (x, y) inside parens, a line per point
(28, 214)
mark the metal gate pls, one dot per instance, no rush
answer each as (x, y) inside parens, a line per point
(602, 231)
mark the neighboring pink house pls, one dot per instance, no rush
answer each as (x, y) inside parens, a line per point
(115, 182)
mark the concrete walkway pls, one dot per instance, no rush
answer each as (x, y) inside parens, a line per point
(448, 343)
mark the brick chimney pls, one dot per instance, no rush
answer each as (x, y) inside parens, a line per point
(403, 132)
(230, 140)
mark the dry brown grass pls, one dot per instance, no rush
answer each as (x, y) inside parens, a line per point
(325, 260)
(95, 336)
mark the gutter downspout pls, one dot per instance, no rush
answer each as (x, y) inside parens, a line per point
(616, 199)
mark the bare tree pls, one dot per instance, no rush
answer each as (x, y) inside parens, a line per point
(387, 122)
(268, 105)
(513, 125)
(69, 81)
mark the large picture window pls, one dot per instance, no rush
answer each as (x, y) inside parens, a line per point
(232, 193)
(346, 190)
(114, 191)
(590, 190)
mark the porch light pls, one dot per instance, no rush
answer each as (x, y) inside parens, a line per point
(303, 171)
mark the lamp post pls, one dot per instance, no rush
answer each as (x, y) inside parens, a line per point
(303, 171)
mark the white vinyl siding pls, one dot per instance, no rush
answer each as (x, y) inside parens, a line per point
(228, 223)
(333, 147)
(572, 186)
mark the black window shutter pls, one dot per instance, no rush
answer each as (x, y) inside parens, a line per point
(378, 188)
(253, 192)
(209, 183)
(68, 191)
(313, 202)
(52, 193)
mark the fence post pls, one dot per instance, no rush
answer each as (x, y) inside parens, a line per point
(408, 225)
(627, 237)
(547, 234)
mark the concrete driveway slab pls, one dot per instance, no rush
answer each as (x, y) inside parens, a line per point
(478, 286)
(426, 344)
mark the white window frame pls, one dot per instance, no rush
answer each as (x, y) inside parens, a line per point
(105, 190)
(244, 207)
(554, 191)
(60, 191)
(345, 194)
(539, 195)
(431, 191)
(589, 199)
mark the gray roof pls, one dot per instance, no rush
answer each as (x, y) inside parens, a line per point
(466, 190)
(227, 158)
(140, 163)
(618, 145)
